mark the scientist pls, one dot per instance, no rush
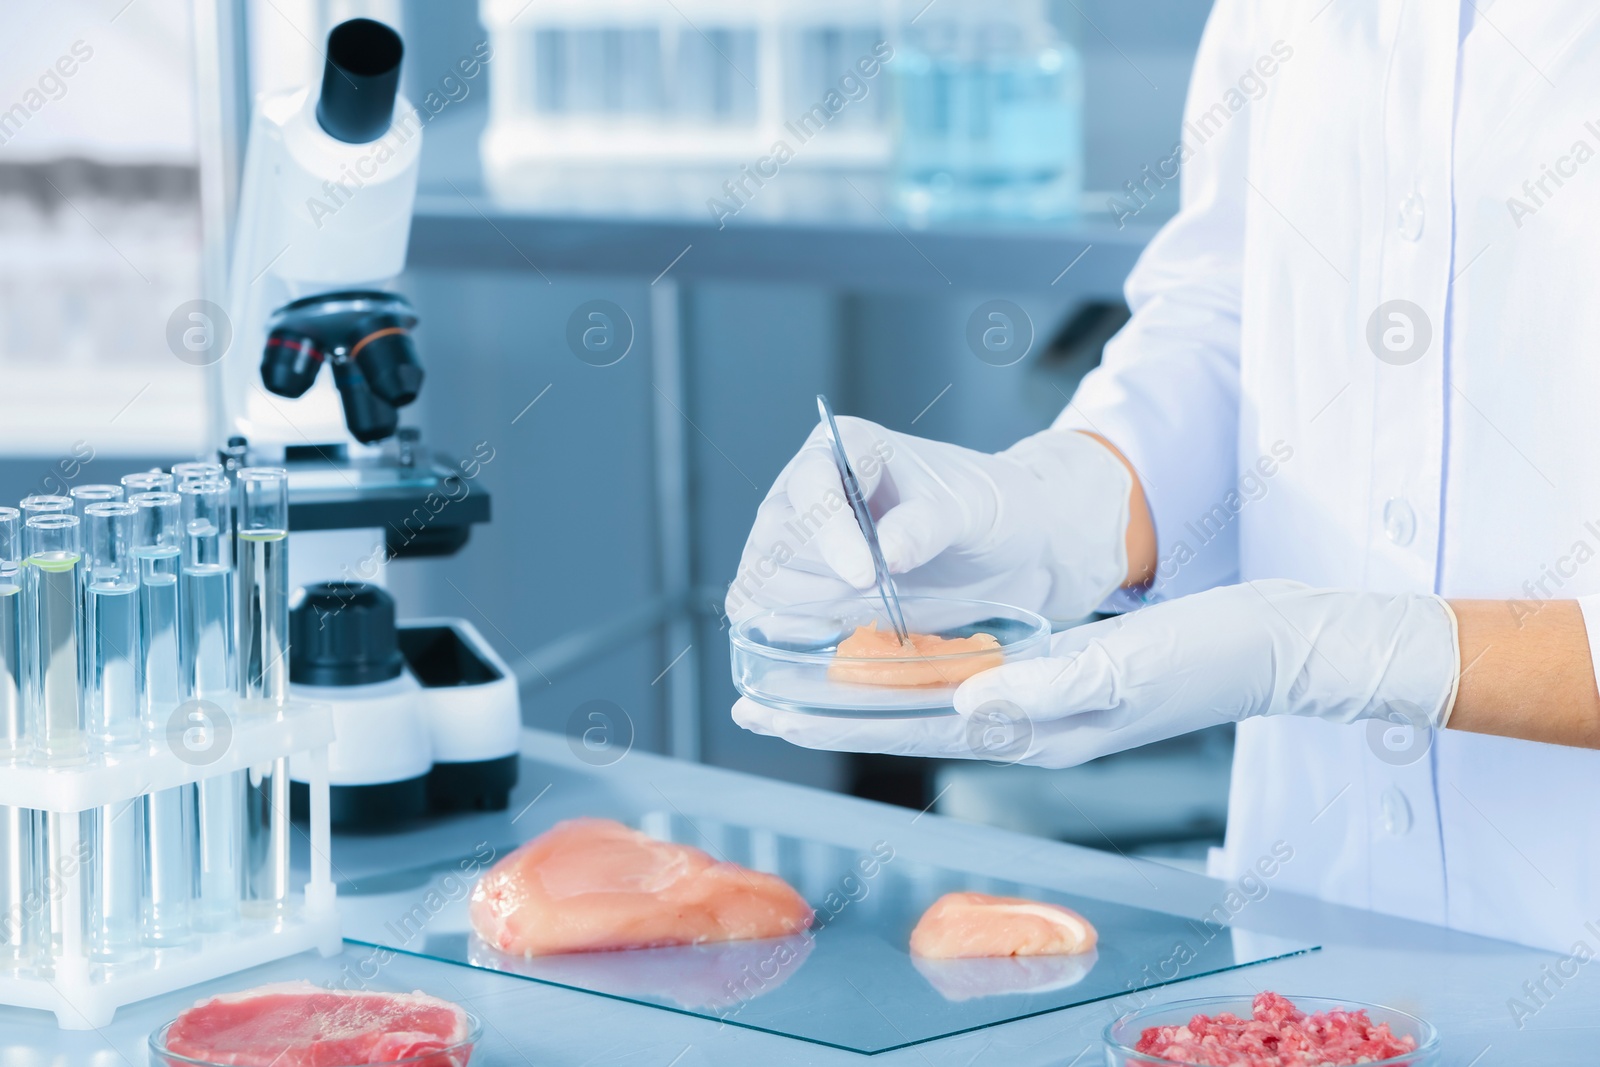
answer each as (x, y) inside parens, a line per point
(1361, 377)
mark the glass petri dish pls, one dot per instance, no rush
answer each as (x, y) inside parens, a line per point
(1122, 1035)
(788, 658)
(456, 1055)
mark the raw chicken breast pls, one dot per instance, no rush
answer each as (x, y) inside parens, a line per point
(895, 665)
(971, 925)
(297, 1024)
(594, 885)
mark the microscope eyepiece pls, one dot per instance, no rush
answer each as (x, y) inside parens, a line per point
(359, 81)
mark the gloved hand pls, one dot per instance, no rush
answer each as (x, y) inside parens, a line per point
(1263, 648)
(1040, 525)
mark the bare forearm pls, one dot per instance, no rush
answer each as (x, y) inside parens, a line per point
(1141, 538)
(1526, 672)
(1526, 668)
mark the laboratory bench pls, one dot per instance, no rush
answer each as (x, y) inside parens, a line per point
(1459, 982)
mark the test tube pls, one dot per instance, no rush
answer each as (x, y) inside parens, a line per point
(205, 645)
(147, 482)
(51, 579)
(263, 605)
(13, 732)
(111, 832)
(264, 586)
(43, 504)
(85, 495)
(19, 936)
(53, 711)
(207, 669)
(111, 575)
(171, 836)
(82, 496)
(37, 504)
(196, 472)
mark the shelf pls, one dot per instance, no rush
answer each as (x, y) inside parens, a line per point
(839, 238)
(810, 225)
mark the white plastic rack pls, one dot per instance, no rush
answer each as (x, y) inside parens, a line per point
(85, 994)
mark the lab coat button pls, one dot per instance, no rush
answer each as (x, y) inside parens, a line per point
(1411, 216)
(1399, 522)
(1395, 811)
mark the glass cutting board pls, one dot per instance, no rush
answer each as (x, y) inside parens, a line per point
(850, 983)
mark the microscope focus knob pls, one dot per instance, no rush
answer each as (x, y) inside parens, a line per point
(343, 634)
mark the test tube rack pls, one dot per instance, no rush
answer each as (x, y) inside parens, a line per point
(85, 994)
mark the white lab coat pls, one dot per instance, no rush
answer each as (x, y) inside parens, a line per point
(1386, 158)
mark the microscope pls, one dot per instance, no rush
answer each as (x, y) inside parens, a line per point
(325, 206)
(427, 715)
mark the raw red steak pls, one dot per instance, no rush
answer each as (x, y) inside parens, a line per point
(1277, 1035)
(297, 1024)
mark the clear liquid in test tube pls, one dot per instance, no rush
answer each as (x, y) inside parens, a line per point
(208, 670)
(51, 590)
(111, 575)
(19, 895)
(82, 496)
(170, 817)
(38, 504)
(13, 731)
(263, 607)
(114, 860)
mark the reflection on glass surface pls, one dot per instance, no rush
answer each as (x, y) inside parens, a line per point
(713, 979)
(970, 979)
(850, 982)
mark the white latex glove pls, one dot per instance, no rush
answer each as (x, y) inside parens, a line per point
(1040, 525)
(1262, 648)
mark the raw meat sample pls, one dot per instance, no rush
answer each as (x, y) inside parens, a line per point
(972, 925)
(1277, 1035)
(895, 665)
(593, 885)
(297, 1024)
(958, 980)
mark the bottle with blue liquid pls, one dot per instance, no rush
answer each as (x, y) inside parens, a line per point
(988, 114)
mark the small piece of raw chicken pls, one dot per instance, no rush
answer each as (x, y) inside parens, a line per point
(973, 925)
(594, 885)
(871, 656)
